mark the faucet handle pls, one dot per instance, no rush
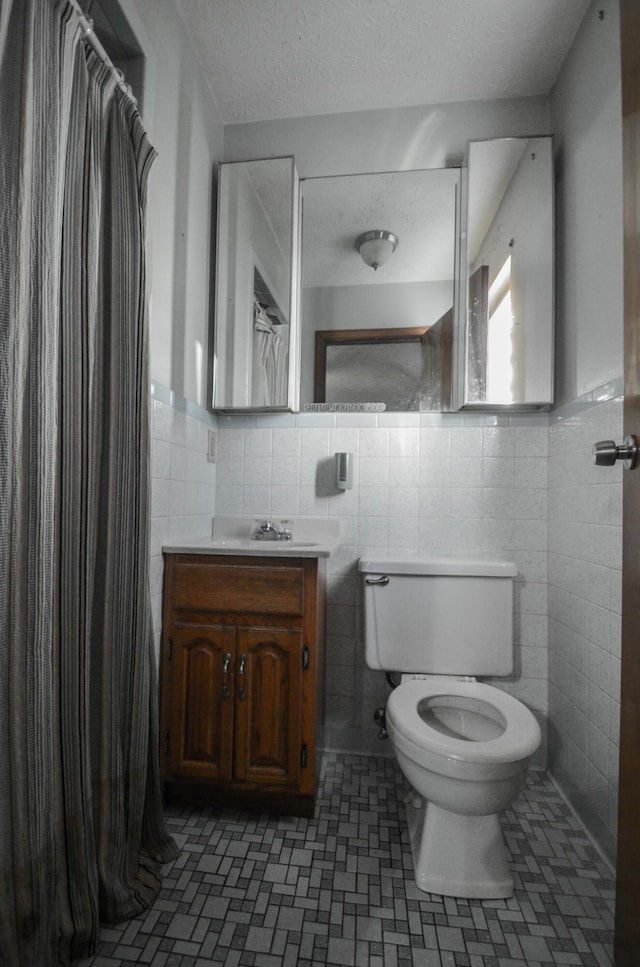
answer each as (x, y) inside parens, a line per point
(259, 530)
(284, 531)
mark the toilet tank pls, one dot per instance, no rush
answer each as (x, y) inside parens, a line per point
(438, 616)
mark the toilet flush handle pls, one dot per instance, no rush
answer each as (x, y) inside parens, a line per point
(381, 581)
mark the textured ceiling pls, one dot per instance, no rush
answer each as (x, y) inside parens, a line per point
(270, 59)
(337, 210)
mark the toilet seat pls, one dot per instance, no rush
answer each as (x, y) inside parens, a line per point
(519, 740)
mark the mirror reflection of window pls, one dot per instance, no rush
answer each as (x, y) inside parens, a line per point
(500, 337)
(509, 253)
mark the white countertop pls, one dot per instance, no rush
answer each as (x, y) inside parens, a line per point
(311, 537)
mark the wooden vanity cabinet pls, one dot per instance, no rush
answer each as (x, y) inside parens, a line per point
(241, 680)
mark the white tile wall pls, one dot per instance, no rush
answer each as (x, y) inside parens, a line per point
(518, 487)
(585, 580)
(450, 484)
(183, 482)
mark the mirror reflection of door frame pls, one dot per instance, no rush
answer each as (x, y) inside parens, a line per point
(423, 206)
(325, 339)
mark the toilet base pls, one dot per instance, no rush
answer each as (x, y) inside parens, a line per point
(455, 855)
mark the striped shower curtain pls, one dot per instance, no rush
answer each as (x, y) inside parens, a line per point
(81, 829)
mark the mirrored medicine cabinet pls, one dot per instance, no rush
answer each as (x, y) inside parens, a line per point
(460, 315)
(256, 362)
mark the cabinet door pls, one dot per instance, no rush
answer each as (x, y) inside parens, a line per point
(200, 743)
(268, 705)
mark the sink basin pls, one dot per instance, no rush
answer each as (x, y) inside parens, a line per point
(284, 544)
(312, 537)
(244, 543)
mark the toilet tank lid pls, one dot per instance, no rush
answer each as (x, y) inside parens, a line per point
(481, 567)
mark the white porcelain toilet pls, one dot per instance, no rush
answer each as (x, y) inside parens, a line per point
(463, 746)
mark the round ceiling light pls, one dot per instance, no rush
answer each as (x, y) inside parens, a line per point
(376, 247)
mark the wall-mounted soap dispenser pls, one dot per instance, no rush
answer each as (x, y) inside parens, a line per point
(344, 471)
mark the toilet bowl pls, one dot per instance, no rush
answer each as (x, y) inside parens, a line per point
(461, 728)
(463, 746)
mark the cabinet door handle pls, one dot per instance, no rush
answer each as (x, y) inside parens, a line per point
(241, 692)
(225, 673)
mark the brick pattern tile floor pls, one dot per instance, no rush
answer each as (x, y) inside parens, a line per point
(254, 890)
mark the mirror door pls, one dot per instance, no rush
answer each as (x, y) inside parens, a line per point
(510, 232)
(378, 336)
(256, 337)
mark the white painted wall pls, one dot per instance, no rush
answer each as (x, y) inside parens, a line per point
(182, 120)
(433, 136)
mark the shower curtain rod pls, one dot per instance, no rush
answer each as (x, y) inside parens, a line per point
(88, 33)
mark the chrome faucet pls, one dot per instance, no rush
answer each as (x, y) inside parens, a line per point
(266, 530)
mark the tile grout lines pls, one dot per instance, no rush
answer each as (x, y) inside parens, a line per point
(254, 890)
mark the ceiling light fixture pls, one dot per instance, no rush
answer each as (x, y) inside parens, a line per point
(376, 247)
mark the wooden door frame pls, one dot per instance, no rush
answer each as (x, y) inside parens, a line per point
(627, 930)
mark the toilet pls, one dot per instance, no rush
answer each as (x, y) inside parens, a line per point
(463, 746)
